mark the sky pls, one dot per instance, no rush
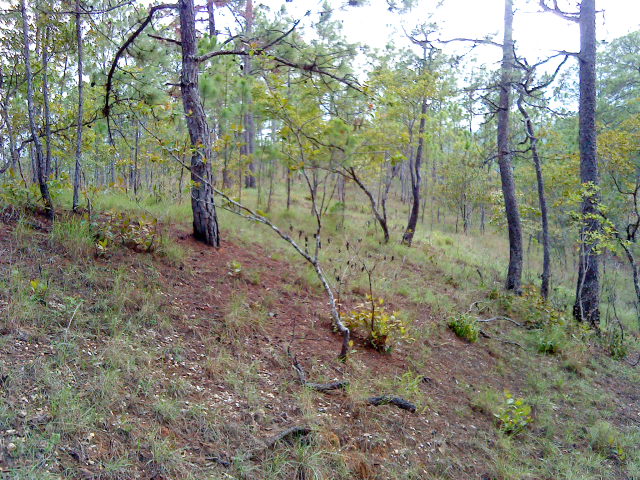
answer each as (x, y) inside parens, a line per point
(537, 34)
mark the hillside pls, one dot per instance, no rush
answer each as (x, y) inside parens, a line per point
(178, 364)
(319, 240)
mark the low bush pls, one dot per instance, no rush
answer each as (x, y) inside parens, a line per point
(465, 326)
(380, 325)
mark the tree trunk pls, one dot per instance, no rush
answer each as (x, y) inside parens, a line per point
(546, 243)
(416, 178)
(380, 216)
(205, 220)
(514, 273)
(13, 151)
(135, 160)
(587, 305)
(45, 95)
(211, 18)
(249, 119)
(77, 172)
(38, 157)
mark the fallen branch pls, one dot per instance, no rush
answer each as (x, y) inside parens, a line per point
(324, 387)
(318, 387)
(392, 400)
(499, 317)
(296, 431)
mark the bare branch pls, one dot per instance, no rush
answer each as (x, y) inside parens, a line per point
(555, 9)
(165, 39)
(124, 47)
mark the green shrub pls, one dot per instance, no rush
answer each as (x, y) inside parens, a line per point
(136, 233)
(380, 325)
(465, 326)
(614, 343)
(514, 416)
(552, 340)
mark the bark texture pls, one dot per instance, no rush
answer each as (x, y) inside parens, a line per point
(514, 272)
(205, 220)
(587, 305)
(38, 160)
(416, 179)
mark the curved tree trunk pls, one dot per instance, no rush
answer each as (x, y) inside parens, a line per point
(514, 273)
(546, 243)
(587, 305)
(416, 179)
(38, 156)
(380, 214)
(205, 220)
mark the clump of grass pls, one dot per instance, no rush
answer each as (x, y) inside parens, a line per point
(465, 326)
(179, 387)
(74, 235)
(552, 340)
(166, 410)
(172, 251)
(486, 401)
(243, 315)
(606, 440)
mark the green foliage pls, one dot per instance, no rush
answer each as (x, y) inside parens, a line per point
(530, 307)
(234, 268)
(136, 233)
(614, 342)
(15, 192)
(465, 326)
(380, 325)
(551, 340)
(514, 415)
(39, 289)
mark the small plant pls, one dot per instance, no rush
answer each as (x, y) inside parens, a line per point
(615, 344)
(551, 340)
(135, 233)
(38, 289)
(380, 325)
(465, 326)
(101, 247)
(514, 416)
(235, 268)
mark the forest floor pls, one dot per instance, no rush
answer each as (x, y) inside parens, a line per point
(152, 366)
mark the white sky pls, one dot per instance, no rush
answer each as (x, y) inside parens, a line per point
(537, 34)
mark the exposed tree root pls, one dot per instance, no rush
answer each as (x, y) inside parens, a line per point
(392, 400)
(319, 387)
(325, 387)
